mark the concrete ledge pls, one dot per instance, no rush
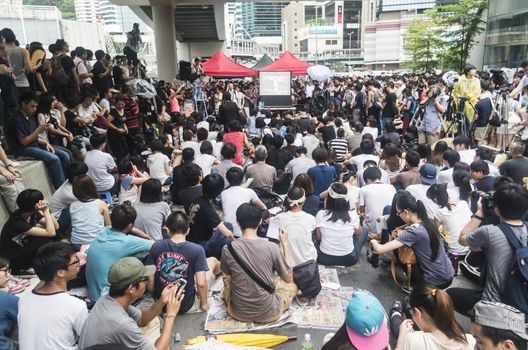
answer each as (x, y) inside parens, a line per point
(34, 175)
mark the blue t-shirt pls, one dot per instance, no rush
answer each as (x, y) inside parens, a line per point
(322, 177)
(174, 261)
(106, 249)
(8, 318)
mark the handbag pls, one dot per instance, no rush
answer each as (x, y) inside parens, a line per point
(306, 277)
(250, 273)
(404, 255)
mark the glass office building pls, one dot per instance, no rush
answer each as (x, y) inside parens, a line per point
(507, 33)
(261, 19)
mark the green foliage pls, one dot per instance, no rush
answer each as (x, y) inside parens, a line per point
(317, 22)
(460, 24)
(67, 7)
(423, 45)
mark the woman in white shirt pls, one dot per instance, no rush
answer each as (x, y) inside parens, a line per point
(453, 215)
(338, 230)
(299, 226)
(432, 311)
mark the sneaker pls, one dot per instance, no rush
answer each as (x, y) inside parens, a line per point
(14, 287)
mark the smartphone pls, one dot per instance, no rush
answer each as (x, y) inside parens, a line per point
(181, 284)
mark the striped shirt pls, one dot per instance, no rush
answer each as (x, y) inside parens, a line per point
(340, 147)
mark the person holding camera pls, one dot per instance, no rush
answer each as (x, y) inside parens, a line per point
(433, 107)
(510, 205)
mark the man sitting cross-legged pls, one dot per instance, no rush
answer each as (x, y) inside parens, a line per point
(247, 299)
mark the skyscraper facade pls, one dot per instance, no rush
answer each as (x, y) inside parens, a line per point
(260, 19)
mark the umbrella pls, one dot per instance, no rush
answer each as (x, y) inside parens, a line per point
(319, 73)
(142, 88)
(247, 339)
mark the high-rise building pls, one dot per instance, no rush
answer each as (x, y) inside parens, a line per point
(87, 10)
(260, 19)
(506, 39)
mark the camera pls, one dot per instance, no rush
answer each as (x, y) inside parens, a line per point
(372, 258)
(487, 206)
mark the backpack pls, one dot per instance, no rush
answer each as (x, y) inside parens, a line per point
(58, 74)
(515, 291)
(413, 105)
(404, 255)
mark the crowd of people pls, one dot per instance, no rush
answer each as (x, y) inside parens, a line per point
(154, 195)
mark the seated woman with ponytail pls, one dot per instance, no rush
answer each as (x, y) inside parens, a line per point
(338, 229)
(422, 236)
(453, 215)
(432, 311)
(462, 186)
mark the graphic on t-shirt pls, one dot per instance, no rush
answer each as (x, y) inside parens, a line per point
(171, 266)
(193, 210)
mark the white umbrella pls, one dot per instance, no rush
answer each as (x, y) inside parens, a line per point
(319, 73)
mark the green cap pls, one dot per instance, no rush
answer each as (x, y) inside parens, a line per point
(129, 270)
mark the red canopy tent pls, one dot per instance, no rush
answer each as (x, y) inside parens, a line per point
(290, 63)
(222, 66)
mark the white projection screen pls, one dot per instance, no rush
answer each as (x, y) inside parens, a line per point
(275, 89)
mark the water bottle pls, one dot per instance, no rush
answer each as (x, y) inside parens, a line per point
(307, 343)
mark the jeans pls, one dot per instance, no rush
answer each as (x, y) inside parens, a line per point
(345, 260)
(52, 161)
(64, 221)
(214, 245)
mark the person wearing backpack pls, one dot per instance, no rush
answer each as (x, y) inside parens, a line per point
(63, 73)
(503, 246)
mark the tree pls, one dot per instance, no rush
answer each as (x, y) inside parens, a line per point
(67, 7)
(423, 44)
(460, 24)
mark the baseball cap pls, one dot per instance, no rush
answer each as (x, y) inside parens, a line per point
(428, 174)
(129, 270)
(366, 323)
(499, 316)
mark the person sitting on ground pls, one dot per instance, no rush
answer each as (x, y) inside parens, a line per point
(192, 177)
(431, 310)
(485, 154)
(310, 141)
(49, 318)
(158, 164)
(371, 164)
(26, 230)
(365, 326)
(88, 213)
(422, 236)
(461, 144)
(114, 320)
(100, 164)
(391, 160)
(239, 139)
(263, 175)
(228, 154)
(152, 211)
(453, 215)
(517, 166)
(111, 244)
(498, 326)
(176, 259)
(178, 183)
(206, 226)
(349, 179)
(300, 227)
(62, 198)
(450, 159)
(25, 130)
(9, 307)
(419, 191)
(236, 195)
(373, 198)
(206, 159)
(483, 181)
(338, 230)
(322, 174)
(510, 205)
(340, 146)
(130, 178)
(366, 149)
(300, 164)
(246, 299)
(312, 201)
(411, 175)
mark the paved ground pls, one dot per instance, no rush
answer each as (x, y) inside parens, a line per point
(362, 276)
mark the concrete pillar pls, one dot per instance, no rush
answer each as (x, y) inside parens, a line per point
(165, 39)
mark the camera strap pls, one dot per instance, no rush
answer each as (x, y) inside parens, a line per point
(247, 270)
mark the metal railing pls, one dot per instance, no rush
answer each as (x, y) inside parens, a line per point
(248, 47)
(338, 55)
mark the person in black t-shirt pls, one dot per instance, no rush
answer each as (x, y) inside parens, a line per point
(517, 166)
(21, 238)
(206, 227)
(192, 176)
(102, 79)
(390, 111)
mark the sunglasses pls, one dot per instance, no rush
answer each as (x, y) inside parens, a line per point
(76, 262)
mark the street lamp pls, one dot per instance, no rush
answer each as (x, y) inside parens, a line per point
(349, 48)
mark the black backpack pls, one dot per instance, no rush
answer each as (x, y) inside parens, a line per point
(516, 290)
